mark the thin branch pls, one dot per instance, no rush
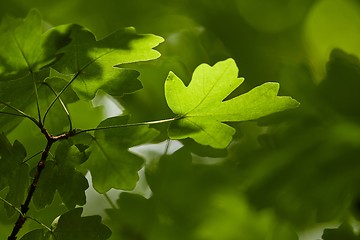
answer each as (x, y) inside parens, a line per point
(31, 157)
(19, 211)
(62, 104)
(59, 94)
(11, 205)
(25, 207)
(42, 224)
(108, 199)
(127, 125)
(167, 147)
(40, 166)
(21, 113)
(37, 98)
(13, 114)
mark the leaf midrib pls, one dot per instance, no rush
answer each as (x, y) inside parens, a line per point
(208, 93)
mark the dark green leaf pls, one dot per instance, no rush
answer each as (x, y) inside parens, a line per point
(344, 231)
(71, 226)
(111, 164)
(38, 234)
(44, 194)
(62, 176)
(70, 155)
(18, 182)
(13, 173)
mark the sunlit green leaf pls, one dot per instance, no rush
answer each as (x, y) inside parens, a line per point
(93, 64)
(203, 108)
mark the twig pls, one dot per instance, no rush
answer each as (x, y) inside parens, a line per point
(40, 166)
(62, 104)
(20, 113)
(59, 94)
(78, 131)
(19, 211)
(108, 199)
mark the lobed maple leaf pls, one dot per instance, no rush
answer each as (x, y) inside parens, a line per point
(202, 109)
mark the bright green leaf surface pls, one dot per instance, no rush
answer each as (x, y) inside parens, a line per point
(202, 107)
(93, 63)
(111, 164)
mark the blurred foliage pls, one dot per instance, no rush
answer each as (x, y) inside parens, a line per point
(283, 174)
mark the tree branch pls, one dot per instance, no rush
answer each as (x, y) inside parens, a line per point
(40, 166)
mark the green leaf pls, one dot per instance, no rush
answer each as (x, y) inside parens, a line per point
(344, 231)
(94, 64)
(202, 107)
(23, 46)
(24, 51)
(22, 40)
(18, 182)
(63, 177)
(13, 173)
(111, 164)
(38, 234)
(44, 194)
(70, 155)
(71, 226)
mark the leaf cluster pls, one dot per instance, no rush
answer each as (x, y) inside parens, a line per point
(230, 179)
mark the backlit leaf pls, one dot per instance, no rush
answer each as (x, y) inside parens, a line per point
(93, 64)
(202, 107)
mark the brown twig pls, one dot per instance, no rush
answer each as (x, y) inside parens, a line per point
(40, 166)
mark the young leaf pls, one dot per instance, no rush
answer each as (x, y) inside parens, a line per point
(111, 164)
(71, 226)
(203, 110)
(93, 64)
